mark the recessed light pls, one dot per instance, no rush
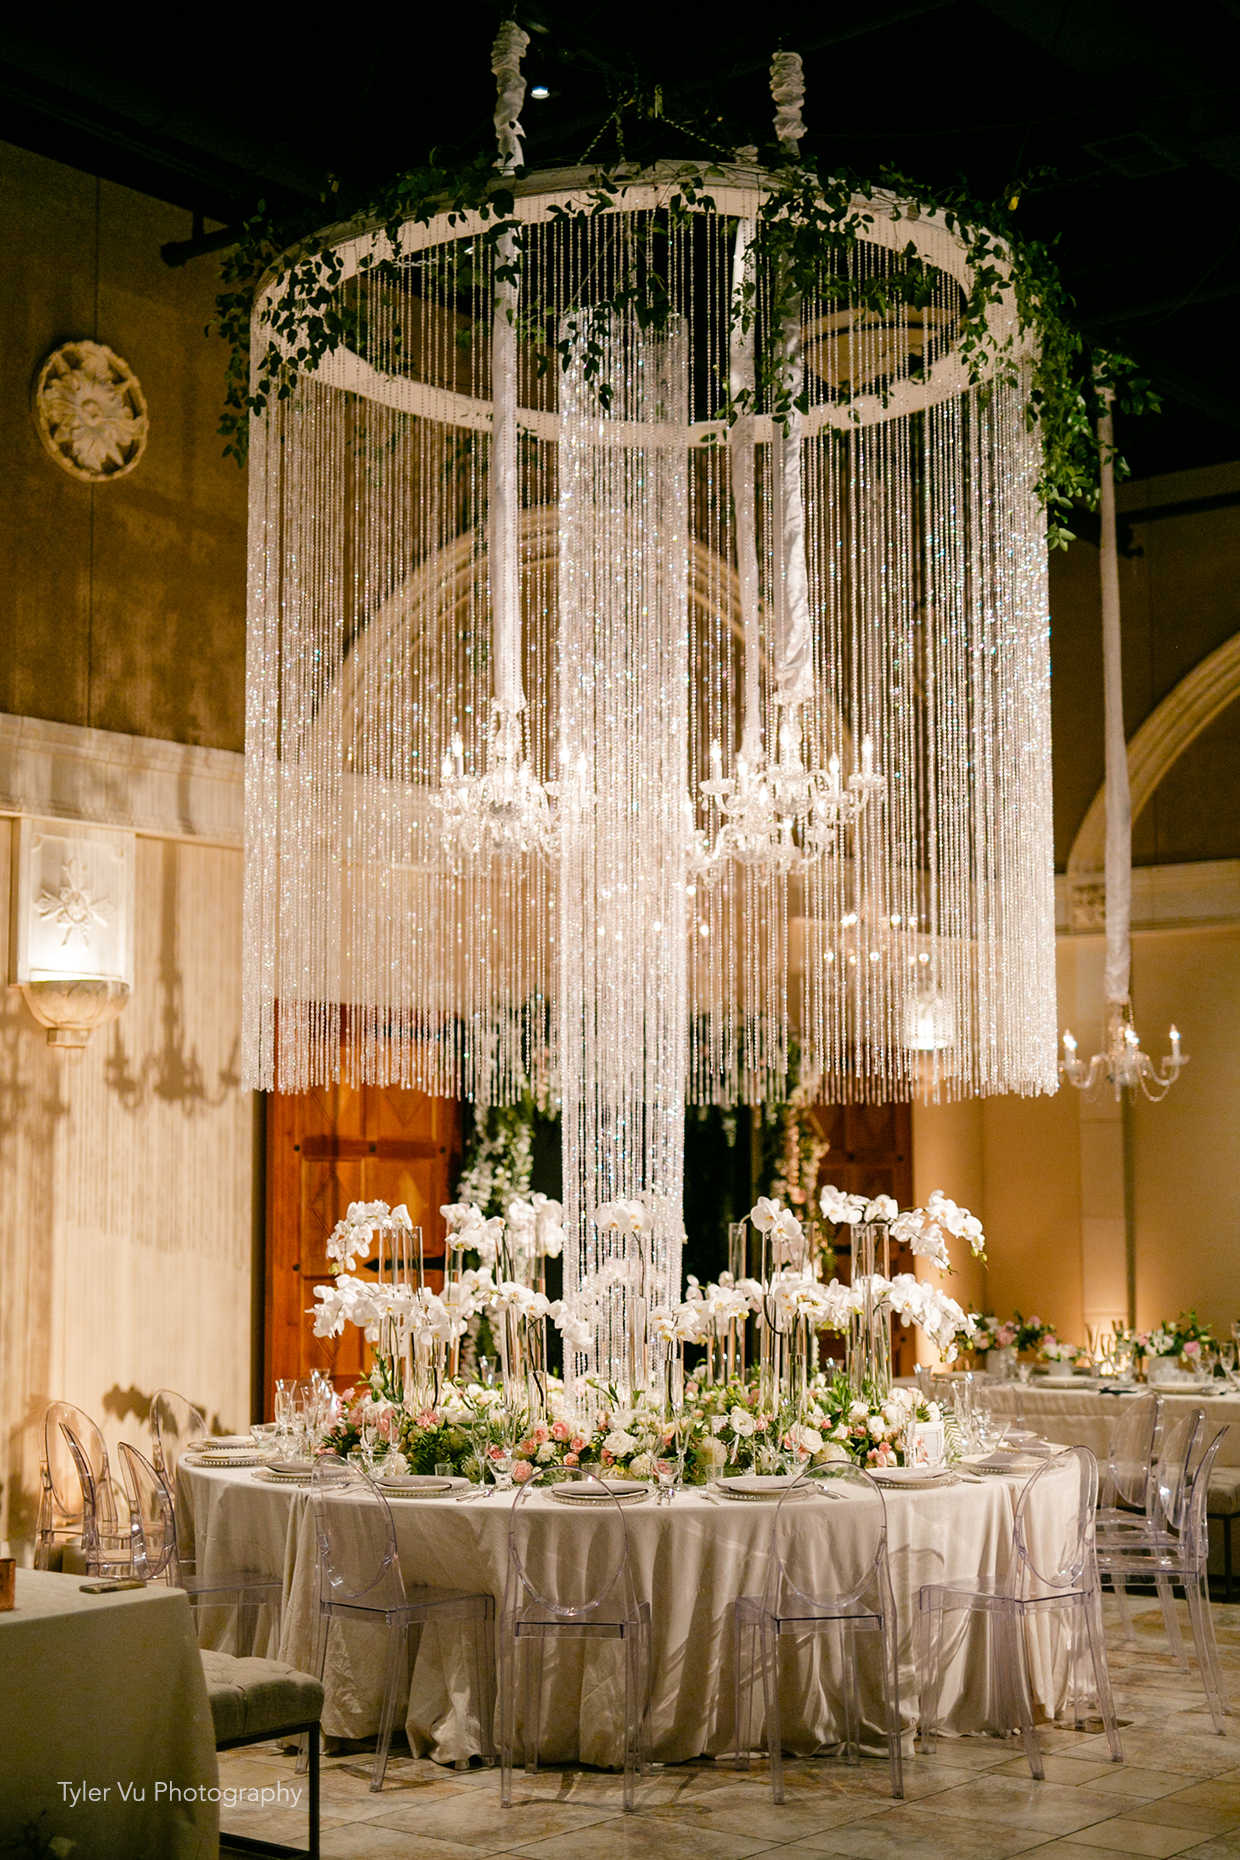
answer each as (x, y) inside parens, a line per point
(540, 91)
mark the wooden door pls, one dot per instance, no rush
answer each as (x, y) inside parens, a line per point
(871, 1153)
(324, 1150)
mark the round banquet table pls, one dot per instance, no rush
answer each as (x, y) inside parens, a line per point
(691, 1560)
(1084, 1415)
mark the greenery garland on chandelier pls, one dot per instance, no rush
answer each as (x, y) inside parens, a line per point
(806, 217)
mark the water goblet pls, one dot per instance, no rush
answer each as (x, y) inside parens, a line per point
(500, 1460)
(667, 1477)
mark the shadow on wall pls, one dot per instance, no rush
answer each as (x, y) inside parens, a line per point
(33, 1106)
(173, 1073)
(124, 1404)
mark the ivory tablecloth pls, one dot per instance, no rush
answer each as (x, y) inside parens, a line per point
(1084, 1417)
(105, 1692)
(692, 1559)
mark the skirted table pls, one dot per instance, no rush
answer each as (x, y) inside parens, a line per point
(105, 1727)
(1084, 1416)
(691, 1559)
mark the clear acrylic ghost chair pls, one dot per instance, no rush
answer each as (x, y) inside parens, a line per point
(1126, 1486)
(157, 1552)
(1051, 1571)
(360, 1580)
(109, 1541)
(176, 1424)
(60, 1490)
(1162, 1517)
(1178, 1551)
(591, 1596)
(827, 1573)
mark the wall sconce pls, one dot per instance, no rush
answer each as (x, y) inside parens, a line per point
(71, 947)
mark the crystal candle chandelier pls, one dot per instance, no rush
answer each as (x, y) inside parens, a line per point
(1122, 1064)
(588, 727)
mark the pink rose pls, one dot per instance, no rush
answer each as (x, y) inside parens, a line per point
(528, 1445)
(608, 1459)
(578, 1443)
(495, 1452)
(1192, 1347)
(572, 1459)
(540, 1434)
(559, 1430)
(522, 1471)
(427, 1418)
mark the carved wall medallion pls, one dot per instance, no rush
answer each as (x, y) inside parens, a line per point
(91, 412)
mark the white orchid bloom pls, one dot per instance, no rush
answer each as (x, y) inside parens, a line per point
(576, 1335)
(882, 1208)
(765, 1213)
(459, 1217)
(623, 1217)
(844, 1210)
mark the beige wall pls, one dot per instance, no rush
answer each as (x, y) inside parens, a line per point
(1180, 595)
(1187, 1149)
(122, 606)
(1046, 1174)
(127, 1183)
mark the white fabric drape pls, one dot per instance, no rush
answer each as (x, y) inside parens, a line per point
(1117, 972)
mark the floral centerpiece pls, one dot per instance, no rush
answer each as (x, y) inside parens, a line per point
(1175, 1351)
(417, 1412)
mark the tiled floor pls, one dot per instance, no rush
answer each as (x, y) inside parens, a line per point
(1177, 1792)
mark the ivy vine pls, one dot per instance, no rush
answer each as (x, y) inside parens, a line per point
(811, 228)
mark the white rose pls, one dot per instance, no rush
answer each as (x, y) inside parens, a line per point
(619, 1444)
(877, 1426)
(642, 1465)
(742, 1423)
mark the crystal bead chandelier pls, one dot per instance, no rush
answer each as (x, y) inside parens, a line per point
(1122, 1064)
(594, 733)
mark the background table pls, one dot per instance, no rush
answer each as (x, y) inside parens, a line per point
(1085, 1416)
(105, 1690)
(692, 1559)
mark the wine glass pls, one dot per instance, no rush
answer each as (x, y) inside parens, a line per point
(500, 1459)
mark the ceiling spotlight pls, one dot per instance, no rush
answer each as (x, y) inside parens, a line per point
(539, 91)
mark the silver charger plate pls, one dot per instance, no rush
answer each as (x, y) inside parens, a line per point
(572, 1494)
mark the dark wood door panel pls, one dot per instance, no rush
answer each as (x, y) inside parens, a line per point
(325, 1149)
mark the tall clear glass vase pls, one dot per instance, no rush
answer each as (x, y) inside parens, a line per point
(869, 1331)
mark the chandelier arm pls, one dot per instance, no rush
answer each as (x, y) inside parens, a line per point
(1117, 974)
